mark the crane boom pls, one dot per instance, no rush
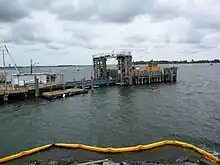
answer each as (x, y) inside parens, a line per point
(12, 59)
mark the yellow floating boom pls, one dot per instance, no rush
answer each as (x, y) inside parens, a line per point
(205, 154)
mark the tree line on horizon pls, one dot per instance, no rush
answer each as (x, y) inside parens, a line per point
(136, 63)
(176, 62)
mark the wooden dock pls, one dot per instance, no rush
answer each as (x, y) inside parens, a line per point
(168, 75)
(63, 93)
(12, 92)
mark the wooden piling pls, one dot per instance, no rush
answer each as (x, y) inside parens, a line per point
(171, 76)
(130, 82)
(92, 83)
(36, 83)
(83, 83)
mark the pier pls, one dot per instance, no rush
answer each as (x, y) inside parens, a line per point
(51, 85)
(128, 74)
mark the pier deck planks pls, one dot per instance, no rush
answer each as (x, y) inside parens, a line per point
(67, 92)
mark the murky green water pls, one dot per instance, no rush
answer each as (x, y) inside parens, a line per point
(120, 116)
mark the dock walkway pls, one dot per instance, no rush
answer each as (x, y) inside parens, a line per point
(62, 93)
(11, 91)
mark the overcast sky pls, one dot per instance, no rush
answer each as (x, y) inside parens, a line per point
(70, 31)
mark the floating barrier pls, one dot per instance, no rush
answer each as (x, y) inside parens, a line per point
(202, 152)
(25, 153)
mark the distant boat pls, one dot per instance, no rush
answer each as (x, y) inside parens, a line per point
(211, 64)
(78, 68)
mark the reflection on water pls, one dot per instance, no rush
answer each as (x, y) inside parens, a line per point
(120, 116)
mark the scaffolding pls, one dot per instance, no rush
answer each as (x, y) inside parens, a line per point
(124, 65)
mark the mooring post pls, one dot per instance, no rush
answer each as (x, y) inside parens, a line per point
(83, 83)
(149, 76)
(130, 78)
(74, 83)
(121, 78)
(64, 86)
(171, 76)
(36, 83)
(92, 82)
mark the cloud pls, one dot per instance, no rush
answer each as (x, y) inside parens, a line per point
(55, 46)
(26, 33)
(71, 31)
(39, 4)
(105, 11)
(12, 11)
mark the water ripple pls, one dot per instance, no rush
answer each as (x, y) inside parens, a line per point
(120, 116)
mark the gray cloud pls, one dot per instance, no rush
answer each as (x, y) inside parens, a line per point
(11, 11)
(55, 46)
(123, 11)
(81, 26)
(106, 11)
(29, 50)
(26, 33)
(85, 35)
(86, 45)
(136, 39)
(39, 4)
(71, 11)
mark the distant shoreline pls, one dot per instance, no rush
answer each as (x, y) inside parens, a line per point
(134, 63)
(44, 66)
(177, 62)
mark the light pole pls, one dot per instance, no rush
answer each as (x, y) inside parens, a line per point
(32, 65)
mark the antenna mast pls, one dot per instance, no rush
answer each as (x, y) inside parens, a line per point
(3, 62)
(12, 59)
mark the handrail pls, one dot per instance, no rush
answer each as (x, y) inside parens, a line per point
(137, 148)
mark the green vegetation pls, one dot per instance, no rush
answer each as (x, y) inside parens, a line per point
(177, 62)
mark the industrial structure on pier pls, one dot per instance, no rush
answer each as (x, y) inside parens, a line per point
(122, 73)
(127, 74)
(35, 84)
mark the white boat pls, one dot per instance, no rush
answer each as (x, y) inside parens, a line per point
(78, 68)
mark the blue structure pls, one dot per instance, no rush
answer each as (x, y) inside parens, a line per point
(97, 82)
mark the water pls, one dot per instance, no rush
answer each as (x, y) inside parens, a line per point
(113, 116)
